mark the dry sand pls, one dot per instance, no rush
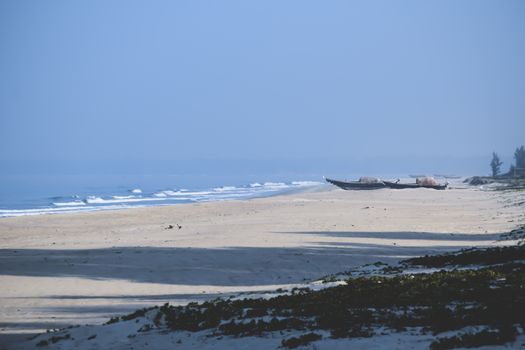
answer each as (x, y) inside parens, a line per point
(57, 270)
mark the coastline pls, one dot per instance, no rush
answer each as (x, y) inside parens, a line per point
(116, 198)
(79, 268)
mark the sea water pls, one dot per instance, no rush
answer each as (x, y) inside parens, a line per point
(60, 193)
(47, 194)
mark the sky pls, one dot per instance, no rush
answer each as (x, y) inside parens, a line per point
(140, 84)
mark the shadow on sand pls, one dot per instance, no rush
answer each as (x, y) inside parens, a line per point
(234, 266)
(327, 253)
(427, 236)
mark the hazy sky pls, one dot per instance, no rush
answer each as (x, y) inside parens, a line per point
(120, 81)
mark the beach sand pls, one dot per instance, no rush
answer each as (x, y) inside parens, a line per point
(64, 269)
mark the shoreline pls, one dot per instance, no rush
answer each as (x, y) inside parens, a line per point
(137, 198)
(80, 268)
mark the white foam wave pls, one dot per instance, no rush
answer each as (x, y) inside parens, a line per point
(225, 188)
(61, 210)
(164, 197)
(275, 184)
(124, 197)
(68, 204)
(17, 211)
(98, 200)
(182, 193)
(42, 211)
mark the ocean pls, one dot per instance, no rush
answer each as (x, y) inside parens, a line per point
(48, 194)
(37, 194)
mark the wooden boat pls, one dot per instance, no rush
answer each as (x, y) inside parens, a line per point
(398, 185)
(356, 185)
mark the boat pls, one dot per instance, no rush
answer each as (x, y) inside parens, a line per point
(356, 185)
(397, 185)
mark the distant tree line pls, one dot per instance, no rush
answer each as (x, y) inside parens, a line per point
(518, 168)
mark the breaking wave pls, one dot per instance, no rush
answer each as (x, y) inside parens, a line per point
(140, 198)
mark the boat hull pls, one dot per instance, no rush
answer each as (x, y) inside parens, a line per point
(397, 185)
(356, 185)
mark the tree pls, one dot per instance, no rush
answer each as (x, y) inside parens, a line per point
(495, 164)
(519, 156)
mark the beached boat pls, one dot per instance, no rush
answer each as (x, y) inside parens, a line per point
(356, 185)
(398, 185)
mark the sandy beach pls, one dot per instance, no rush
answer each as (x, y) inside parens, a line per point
(65, 269)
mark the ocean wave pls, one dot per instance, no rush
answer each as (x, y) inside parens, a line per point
(39, 211)
(62, 210)
(225, 189)
(275, 184)
(98, 202)
(68, 204)
(124, 197)
(14, 211)
(181, 193)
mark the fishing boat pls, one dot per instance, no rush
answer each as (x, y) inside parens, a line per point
(397, 185)
(356, 185)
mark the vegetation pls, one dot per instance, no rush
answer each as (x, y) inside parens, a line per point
(492, 296)
(304, 339)
(518, 168)
(113, 320)
(42, 343)
(516, 234)
(472, 256)
(131, 316)
(519, 156)
(495, 164)
(513, 179)
(499, 336)
(489, 296)
(53, 340)
(138, 313)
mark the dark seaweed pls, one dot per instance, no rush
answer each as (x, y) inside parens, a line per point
(473, 256)
(304, 339)
(500, 336)
(439, 302)
(491, 295)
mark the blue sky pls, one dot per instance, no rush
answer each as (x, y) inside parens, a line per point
(143, 82)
